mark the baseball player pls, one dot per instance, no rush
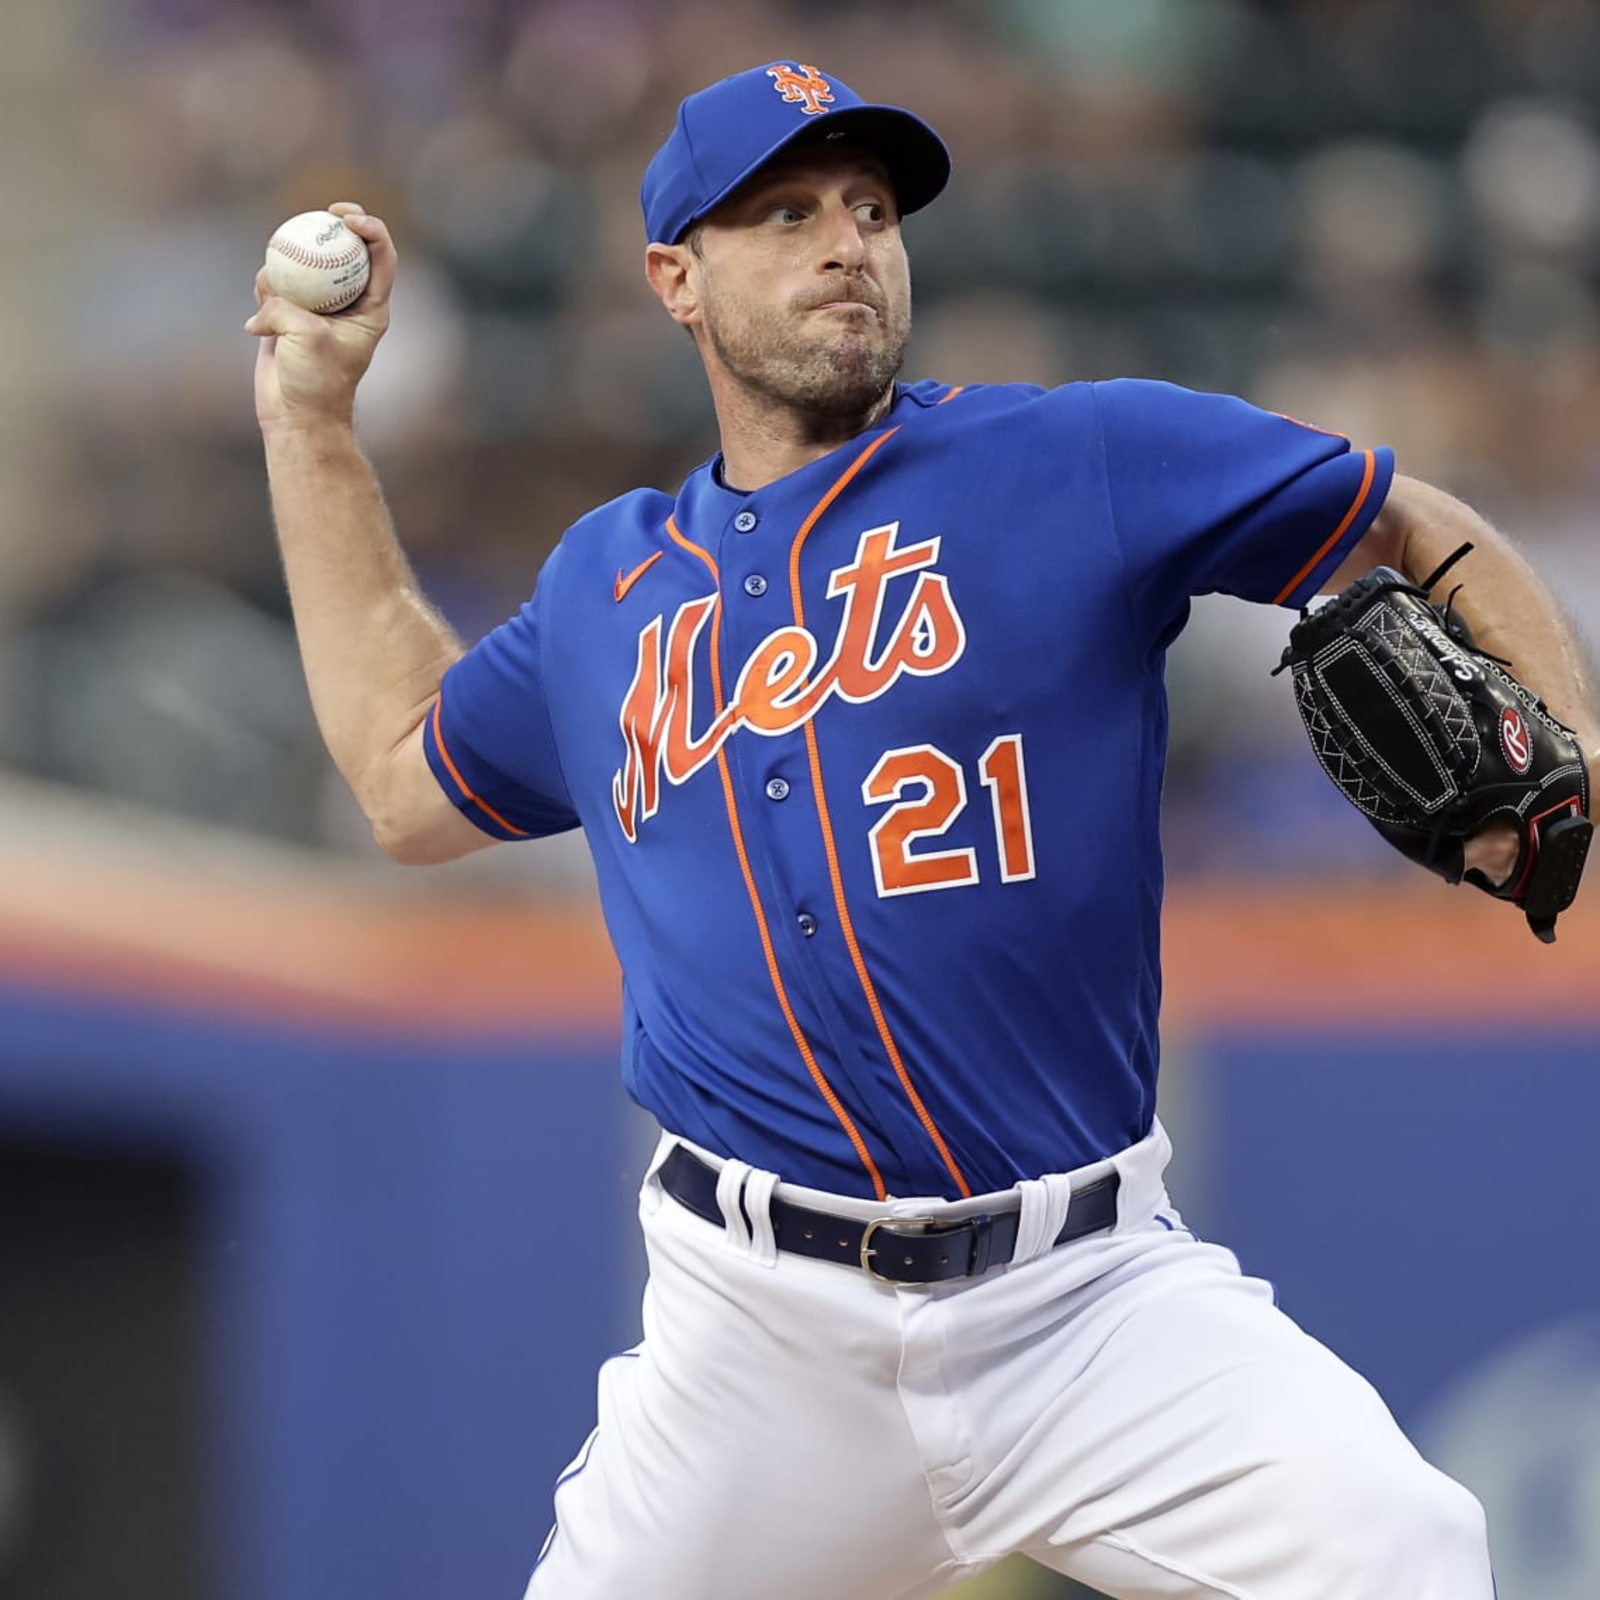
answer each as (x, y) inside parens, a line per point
(865, 728)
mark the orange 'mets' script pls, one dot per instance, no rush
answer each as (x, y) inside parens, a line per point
(781, 686)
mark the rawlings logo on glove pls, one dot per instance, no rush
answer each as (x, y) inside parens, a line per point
(1433, 739)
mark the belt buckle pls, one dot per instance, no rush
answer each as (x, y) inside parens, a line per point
(915, 1227)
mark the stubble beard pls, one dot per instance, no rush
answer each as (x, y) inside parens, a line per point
(832, 382)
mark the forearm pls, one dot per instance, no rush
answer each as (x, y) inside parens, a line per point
(374, 650)
(1506, 604)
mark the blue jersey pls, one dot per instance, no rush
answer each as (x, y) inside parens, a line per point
(870, 763)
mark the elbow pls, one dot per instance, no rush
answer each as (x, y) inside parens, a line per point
(393, 833)
(418, 831)
(405, 847)
(412, 821)
(393, 824)
(411, 844)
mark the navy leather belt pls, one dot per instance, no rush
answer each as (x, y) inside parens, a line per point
(891, 1249)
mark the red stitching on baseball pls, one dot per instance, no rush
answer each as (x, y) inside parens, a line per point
(297, 252)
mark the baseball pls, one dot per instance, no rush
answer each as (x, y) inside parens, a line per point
(315, 261)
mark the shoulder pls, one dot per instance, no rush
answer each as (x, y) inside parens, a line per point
(634, 511)
(1154, 396)
(965, 403)
(619, 532)
(1150, 403)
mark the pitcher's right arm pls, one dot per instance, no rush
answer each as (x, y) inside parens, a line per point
(373, 648)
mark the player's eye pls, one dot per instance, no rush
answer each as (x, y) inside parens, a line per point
(873, 211)
(786, 214)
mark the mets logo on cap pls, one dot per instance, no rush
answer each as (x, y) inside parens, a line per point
(802, 86)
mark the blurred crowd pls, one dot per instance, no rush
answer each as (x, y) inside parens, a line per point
(1382, 216)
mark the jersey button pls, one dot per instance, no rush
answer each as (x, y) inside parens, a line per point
(745, 521)
(777, 788)
(808, 923)
(755, 584)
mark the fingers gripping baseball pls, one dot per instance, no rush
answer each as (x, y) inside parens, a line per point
(308, 365)
(380, 247)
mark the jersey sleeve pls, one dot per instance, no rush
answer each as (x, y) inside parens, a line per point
(489, 739)
(1210, 494)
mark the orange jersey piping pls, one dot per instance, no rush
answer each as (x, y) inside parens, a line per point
(835, 875)
(1337, 534)
(835, 1105)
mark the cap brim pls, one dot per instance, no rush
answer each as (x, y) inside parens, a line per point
(918, 163)
(914, 155)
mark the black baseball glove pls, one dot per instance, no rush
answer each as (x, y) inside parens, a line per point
(1433, 739)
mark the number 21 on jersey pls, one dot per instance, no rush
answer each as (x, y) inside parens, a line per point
(928, 791)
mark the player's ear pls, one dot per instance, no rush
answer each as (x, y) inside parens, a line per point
(669, 269)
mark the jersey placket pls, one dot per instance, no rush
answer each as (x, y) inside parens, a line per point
(739, 793)
(769, 768)
(777, 785)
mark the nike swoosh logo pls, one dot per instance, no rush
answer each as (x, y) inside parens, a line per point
(624, 584)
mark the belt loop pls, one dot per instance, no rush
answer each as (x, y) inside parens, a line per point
(1044, 1205)
(730, 1187)
(758, 1189)
(982, 1243)
(743, 1196)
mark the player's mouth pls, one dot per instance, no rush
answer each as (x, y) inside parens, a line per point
(848, 305)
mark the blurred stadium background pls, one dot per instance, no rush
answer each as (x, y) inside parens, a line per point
(315, 1176)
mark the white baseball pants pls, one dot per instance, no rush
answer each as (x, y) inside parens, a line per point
(1128, 1409)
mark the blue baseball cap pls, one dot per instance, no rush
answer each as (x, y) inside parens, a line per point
(728, 132)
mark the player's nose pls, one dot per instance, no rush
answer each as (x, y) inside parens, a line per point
(841, 238)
